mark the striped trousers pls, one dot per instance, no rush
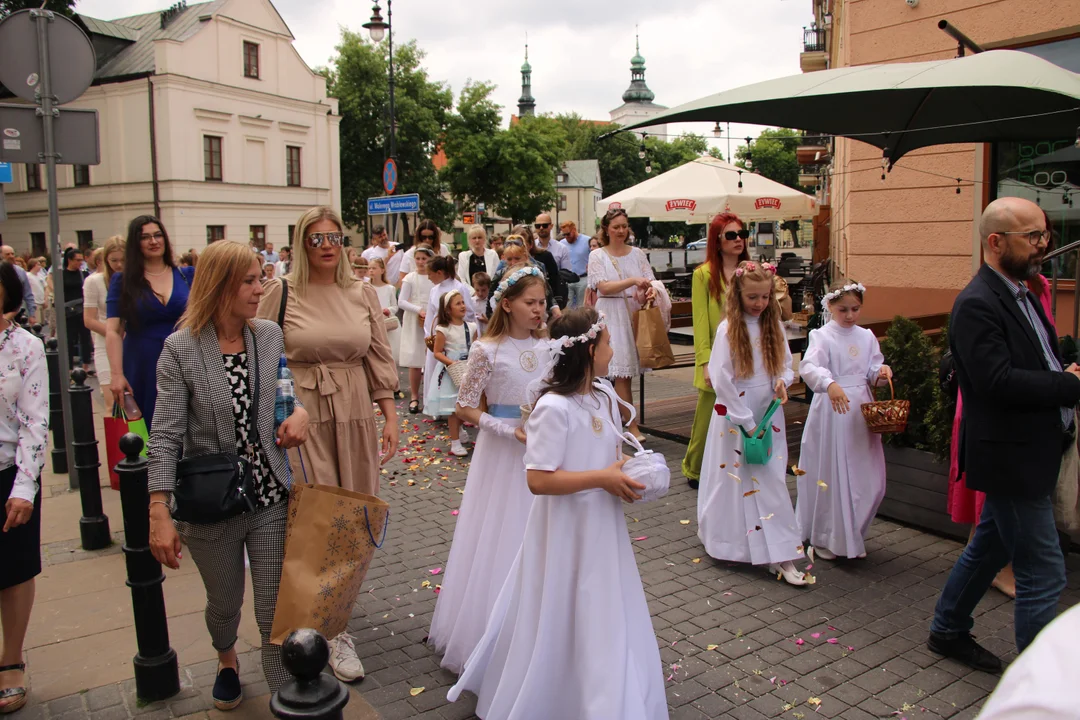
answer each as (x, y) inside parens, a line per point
(218, 552)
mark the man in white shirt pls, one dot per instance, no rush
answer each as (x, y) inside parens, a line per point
(268, 253)
(380, 246)
(428, 234)
(543, 241)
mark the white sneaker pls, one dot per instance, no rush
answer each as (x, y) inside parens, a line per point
(824, 553)
(456, 448)
(463, 435)
(789, 573)
(343, 660)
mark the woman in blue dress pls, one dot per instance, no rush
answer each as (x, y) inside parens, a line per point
(144, 303)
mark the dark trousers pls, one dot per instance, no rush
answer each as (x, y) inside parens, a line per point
(1013, 530)
(80, 344)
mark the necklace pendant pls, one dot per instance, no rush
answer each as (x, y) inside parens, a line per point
(597, 426)
(528, 361)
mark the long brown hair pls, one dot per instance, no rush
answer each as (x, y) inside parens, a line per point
(443, 318)
(225, 264)
(713, 256)
(773, 341)
(499, 324)
(573, 371)
(601, 232)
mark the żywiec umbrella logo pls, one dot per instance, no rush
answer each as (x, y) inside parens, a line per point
(766, 202)
(615, 206)
(683, 204)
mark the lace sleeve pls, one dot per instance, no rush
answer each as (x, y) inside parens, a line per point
(477, 374)
(646, 266)
(596, 269)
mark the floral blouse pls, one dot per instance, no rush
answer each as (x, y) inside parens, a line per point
(24, 409)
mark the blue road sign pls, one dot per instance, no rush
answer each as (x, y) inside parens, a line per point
(389, 176)
(396, 204)
(5, 173)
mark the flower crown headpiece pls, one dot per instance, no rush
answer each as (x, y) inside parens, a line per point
(513, 279)
(830, 296)
(589, 335)
(769, 268)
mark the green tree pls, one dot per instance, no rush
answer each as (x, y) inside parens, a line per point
(529, 152)
(63, 7)
(773, 156)
(359, 79)
(473, 173)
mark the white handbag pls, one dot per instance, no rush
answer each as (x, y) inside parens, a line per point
(648, 468)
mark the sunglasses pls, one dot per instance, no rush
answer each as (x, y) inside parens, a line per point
(731, 234)
(316, 239)
(427, 236)
(542, 226)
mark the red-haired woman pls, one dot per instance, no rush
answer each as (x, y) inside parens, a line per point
(725, 250)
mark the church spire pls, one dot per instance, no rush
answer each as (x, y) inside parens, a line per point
(638, 90)
(526, 103)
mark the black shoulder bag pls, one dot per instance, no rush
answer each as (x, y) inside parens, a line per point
(215, 487)
(284, 303)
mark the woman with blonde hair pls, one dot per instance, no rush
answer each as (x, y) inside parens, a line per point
(336, 344)
(110, 259)
(216, 379)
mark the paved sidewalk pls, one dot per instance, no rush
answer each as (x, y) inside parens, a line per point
(729, 635)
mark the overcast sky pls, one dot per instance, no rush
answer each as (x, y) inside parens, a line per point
(580, 50)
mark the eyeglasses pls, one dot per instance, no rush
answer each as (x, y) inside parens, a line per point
(542, 226)
(316, 239)
(1033, 236)
(731, 234)
(156, 236)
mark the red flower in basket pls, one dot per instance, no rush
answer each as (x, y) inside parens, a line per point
(721, 410)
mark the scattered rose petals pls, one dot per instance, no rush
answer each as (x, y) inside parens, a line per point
(454, 512)
(438, 589)
(643, 537)
(435, 571)
(416, 691)
(815, 635)
(723, 465)
(822, 484)
(800, 641)
(796, 471)
(720, 409)
(684, 522)
(813, 701)
(749, 493)
(696, 560)
(767, 517)
(425, 584)
(711, 647)
(832, 641)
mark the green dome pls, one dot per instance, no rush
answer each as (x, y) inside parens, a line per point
(526, 68)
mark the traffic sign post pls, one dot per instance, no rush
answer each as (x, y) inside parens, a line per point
(390, 176)
(391, 205)
(32, 43)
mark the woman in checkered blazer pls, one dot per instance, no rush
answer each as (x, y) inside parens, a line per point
(208, 376)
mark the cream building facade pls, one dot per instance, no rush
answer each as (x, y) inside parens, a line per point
(209, 119)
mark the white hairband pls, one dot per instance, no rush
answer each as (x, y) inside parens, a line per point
(512, 280)
(830, 296)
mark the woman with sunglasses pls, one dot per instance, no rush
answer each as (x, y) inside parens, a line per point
(427, 233)
(336, 345)
(622, 277)
(726, 248)
(143, 305)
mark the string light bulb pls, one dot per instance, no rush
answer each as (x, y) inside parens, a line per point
(740, 181)
(641, 152)
(648, 168)
(717, 132)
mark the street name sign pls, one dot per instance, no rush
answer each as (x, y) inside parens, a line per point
(396, 204)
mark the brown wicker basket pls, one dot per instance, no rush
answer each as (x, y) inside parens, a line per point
(887, 416)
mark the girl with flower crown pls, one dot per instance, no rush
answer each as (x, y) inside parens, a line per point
(744, 511)
(491, 521)
(453, 339)
(842, 461)
(570, 635)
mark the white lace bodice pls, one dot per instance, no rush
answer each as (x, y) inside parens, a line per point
(495, 368)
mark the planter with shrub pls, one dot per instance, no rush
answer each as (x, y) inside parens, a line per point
(917, 460)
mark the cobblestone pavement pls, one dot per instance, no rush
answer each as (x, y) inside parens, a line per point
(735, 642)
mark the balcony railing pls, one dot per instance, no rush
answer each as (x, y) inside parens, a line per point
(814, 40)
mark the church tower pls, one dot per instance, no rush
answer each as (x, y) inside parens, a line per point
(638, 99)
(526, 103)
(638, 90)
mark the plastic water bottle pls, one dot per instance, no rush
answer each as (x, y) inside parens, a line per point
(285, 398)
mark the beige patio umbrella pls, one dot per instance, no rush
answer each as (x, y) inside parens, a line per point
(992, 96)
(700, 189)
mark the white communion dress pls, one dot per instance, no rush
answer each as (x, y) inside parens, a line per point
(570, 635)
(431, 365)
(839, 450)
(412, 299)
(744, 511)
(388, 299)
(491, 520)
(603, 267)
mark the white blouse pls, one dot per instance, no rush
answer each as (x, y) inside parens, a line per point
(24, 409)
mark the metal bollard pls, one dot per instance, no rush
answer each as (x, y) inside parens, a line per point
(311, 695)
(56, 411)
(157, 674)
(36, 329)
(94, 525)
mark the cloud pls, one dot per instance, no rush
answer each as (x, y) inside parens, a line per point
(579, 50)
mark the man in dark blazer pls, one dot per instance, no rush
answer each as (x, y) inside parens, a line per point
(1018, 419)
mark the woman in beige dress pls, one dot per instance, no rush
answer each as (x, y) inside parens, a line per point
(335, 341)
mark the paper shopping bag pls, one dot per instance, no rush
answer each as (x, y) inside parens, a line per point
(116, 427)
(139, 428)
(653, 346)
(1067, 491)
(330, 538)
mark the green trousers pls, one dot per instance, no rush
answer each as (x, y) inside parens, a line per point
(695, 451)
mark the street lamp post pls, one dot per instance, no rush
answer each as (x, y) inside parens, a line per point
(378, 29)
